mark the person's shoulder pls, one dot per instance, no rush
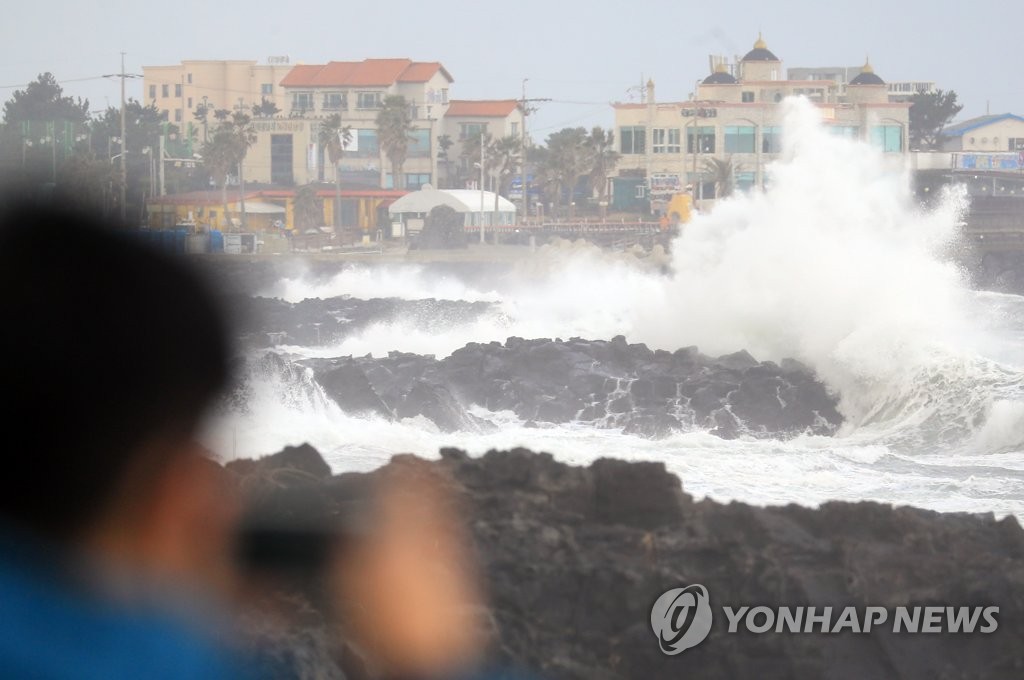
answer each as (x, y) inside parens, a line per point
(48, 631)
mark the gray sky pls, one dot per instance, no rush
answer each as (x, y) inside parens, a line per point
(581, 55)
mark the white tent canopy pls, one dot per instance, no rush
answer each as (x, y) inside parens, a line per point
(418, 204)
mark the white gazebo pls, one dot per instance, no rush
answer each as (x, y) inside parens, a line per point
(413, 208)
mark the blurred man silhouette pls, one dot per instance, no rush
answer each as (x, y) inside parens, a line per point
(114, 525)
(118, 536)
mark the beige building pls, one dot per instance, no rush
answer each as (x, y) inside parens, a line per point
(287, 150)
(899, 90)
(466, 120)
(355, 91)
(735, 117)
(994, 133)
(180, 89)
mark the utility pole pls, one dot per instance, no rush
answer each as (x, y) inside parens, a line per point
(124, 150)
(524, 105)
(124, 143)
(483, 164)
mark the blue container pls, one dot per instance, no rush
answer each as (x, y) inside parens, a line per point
(166, 240)
(216, 241)
(180, 238)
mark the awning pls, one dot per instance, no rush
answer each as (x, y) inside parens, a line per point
(261, 208)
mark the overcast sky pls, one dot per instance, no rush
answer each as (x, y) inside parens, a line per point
(582, 55)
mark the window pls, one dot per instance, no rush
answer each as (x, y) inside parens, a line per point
(1016, 143)
(633, 139)
(888, 138)
(177, 115)
(848, 131)
(335, 101)
(189, 78)
(152, 91)
(665, 140)
(739, 139)
(444, 95)
(302, 101)
(267, 89)
(701, 140)
(366, 146)
(413, 181)
(165, 90)
(190, 103)
(514, 129)
(177, 89)
(281, 160)
(471, 130)
(747, 97)
(368, 100)
(419, 144)
(771, 140)
(745, 180)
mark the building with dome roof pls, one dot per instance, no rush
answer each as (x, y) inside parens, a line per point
(733, 115)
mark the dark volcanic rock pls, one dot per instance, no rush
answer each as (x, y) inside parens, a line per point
(605, 383)
(348, 386)
(574, 558)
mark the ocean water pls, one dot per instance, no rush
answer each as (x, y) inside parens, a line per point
(835, 265)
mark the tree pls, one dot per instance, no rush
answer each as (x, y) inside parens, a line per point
(723, 174)
(44, 100)
(334, 138)
(505, 153)
(565, 159)
(444, 228)
(309, 210)
(929, 113)
(265, 109)
(471, 154)
(226, 150)
(144, 126)
(444, 143)
(394, 130)
(603, 158)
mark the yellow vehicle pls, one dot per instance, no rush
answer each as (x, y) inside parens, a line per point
(679, 208)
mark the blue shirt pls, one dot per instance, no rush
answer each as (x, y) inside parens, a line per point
(51, 628)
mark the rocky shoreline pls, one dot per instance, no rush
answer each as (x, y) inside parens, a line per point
(604, 384)
(574, 558)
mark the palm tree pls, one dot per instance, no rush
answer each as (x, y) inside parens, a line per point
(603, 160)
(444, 142)
(566, 158)
(505, 153)
(394, 130)
(309, 211)
(225, 151)
(723, 174)
(334, 138)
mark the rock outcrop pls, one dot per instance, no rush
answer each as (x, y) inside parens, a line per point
(611, 384)
(575, 557)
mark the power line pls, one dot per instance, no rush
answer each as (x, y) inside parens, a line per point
(59, 82)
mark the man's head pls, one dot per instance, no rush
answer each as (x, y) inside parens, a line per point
(112, 354)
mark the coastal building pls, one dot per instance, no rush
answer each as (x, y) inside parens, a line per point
(178, 90)
(993, 133)
(734, 122)
(266, 208)
(841, 76)
(287, 150)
